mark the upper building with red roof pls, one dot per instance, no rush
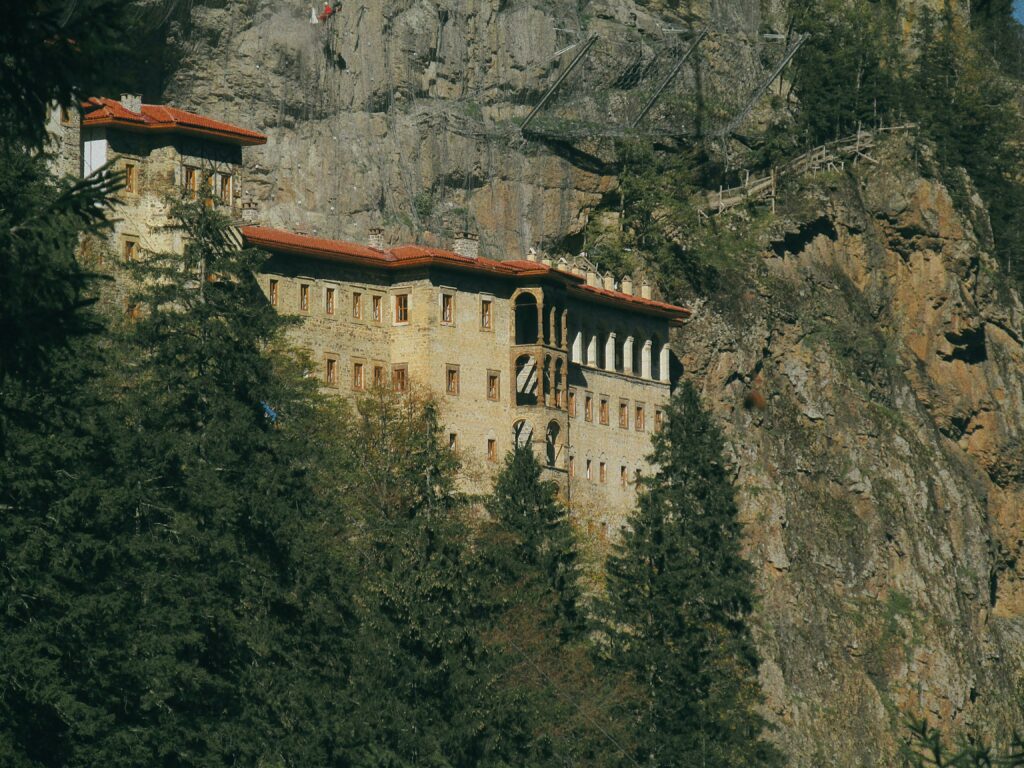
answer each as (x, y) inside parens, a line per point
(517, 350)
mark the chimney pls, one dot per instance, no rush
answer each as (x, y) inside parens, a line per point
(132, 102)
(592, 277)
(609, 281)
(250, 211)
(467, 244)
(645, 289)
(377, 238)
(627, 284)
(546, 261)
(531, 255)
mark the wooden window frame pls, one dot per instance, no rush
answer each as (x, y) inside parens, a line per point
(358, 375)
(659, 419)
(572, 467)
(376, 307)
(453, 441)
(487, 314)
(304, 297)
(330, 303)
(130, 249)
(496, 377)
(639, 417)
(603, 411)
(331, 371)
(623, 476)
(64, 115)
(602, 472)
(357, 305)
(273, 292)
(400, 377)
(623, 414)
(572, 403)
(131, 178)
(448, 304)
(401, 309)
(190, 182)
(228, 180)
(492, 449)
(588, 406)
(590, 467)
(451, 374)
(380, 377)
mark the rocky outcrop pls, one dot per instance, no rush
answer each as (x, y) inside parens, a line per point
(879, 465)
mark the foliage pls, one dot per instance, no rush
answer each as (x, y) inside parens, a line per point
(926, 748)
(679, 596)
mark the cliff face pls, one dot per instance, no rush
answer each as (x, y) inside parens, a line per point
(871, 379)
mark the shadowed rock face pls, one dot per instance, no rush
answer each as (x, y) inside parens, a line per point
(870, 381)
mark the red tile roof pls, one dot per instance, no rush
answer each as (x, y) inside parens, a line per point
(409, 256)
(153, 117)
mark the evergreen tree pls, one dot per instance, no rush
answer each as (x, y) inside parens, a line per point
(170, 592)
(679, 599)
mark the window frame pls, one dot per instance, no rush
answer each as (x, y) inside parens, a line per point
(588, 406)
(453, 441)
(273, 292)
(357, 305)
(604, 411)
(623, 476)
(496, 376)
(401, 305)
(380, 376)
(623, 414)
(376, 307)
(492, 449)
(190, 182)
(659, 419)
(230, 181)
(304, 294)
(572, 402)
(131, 178)
(602, 472)
(400, 373)
(331, 370)
(330, 301)
(487, 314)
(452, 373)
(358, 375)
(639, 417)
(447, 299)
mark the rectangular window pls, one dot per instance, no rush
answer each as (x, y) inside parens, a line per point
(402, 308)
(572, 466)
(304, 298)
(492, 449)
(623, 415)
(485, 315)
(588, 470)
(357, 306)
(588, 407)
(493, 385)
(623, 476)
(658, 419)
(603, 473)
(572, 403)
(331, 374)
(376, 308)
(131, 249)
(400, 378)
(640, 419)
(225, 188)
(131, 178)
(451, 379)
(604, 410)
(65, 116)
(329, 301)
(453, 441)
(447, 309)
(191, 182)
(273, 293)
(378, 375)
(357, 376)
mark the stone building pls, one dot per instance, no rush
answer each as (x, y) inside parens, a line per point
(517, 351)
(165, 152)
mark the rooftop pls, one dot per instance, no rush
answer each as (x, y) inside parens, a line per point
(410, 256)
(99, 111)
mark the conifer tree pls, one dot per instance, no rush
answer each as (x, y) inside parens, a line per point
(679, 599)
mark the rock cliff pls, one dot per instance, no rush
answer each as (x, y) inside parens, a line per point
(870, 377)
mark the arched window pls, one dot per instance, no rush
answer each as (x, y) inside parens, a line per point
(526, 319)
(526, 380)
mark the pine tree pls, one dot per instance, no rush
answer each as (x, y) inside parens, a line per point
(679, 600)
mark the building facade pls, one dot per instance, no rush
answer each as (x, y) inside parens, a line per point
(516, 351)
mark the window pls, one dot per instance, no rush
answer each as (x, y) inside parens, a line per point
(304, 298)
(623, 415)
(191, 182)
(225, 188)
(400, 378)
(572, 466)
(378, 375)
(331, 374)
(493, 385)
(572, 403)
(639, 419)
(588, 470)
(357, 306)
(131, 249)
(447, 309)
(273, 293)
(485, 315)
(658, 419)
(329, 301)
(402, 308)
(623, 476)
(357, 376)
(588, 407)
(451, 379)
(131, 178)
(492, 449)
(375, 302)
(453, 441)
(604, 410)
(65, 116)
(602, 473)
